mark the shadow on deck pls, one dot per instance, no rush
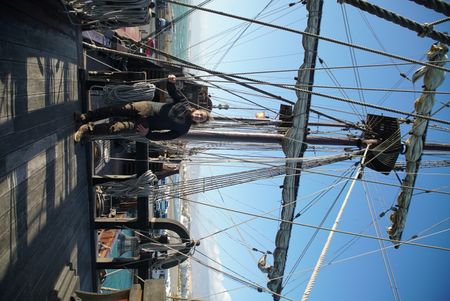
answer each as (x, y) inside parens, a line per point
(45, 221)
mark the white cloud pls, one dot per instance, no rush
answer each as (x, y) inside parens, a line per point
(205, 281)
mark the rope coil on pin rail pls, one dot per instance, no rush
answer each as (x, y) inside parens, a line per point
(142, 186)
(110, 14)
(126, 93)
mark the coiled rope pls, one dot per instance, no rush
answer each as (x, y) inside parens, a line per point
(140, 187)
(110, 14)
(127, 93)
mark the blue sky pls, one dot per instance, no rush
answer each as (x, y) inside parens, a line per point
(420, 273)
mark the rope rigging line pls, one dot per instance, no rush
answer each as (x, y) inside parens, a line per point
(239, 36)
(422, 30)
(251, 87)
(351, 88)
(289, 88)
(248, 283)
(316, 227)
(317, 68)
(263, 58)
(304, 90)
(136, 137)
(334, 110)
(358, 174)
(217, 35)
(209, 183)
(319, 192)
(382, 183)
(429, 228)
(400, 81)
(374, 34)
(439, 21)
(348, 244)
(348, 100)
(220, 264)
(241, 97)
(372, 181)
(219, 49)
(334, 261)
(316, 232)
(382, 108)
(277, 10)
(319, 196)
(353, 56)
(378, 250)
(312, 35)
(212, 183)
(242, 241)
(437, 5)
(337, 84)
(386, 261)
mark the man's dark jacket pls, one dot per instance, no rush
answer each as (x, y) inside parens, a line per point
(169, 120)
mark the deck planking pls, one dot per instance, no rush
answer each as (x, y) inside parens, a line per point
(45, 216)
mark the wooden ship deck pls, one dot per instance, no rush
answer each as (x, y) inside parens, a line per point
(46, 221)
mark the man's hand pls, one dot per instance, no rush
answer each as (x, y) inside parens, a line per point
(171, 78)
(142, 130)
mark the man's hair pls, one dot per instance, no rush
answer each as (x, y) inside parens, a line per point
(206, 113)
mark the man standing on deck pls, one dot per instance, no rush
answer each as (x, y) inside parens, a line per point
(156, 121)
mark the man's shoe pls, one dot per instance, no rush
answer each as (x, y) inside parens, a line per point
(82, 131)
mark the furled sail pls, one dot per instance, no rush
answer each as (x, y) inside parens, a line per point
(294, 146)
(432, 79)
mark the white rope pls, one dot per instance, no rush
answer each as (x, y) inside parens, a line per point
(324, 252)
(141, 187)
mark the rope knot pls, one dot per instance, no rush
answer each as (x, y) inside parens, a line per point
(426, 30)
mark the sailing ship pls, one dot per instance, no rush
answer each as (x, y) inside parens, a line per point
(375, 142)
(365, 152)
